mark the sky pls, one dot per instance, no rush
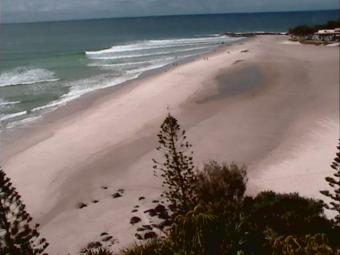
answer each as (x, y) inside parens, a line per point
(46, 10)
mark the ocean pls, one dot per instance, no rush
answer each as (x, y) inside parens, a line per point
(45, 65)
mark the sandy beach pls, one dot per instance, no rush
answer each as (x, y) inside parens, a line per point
(265, 103)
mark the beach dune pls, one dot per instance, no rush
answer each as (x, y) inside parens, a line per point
(269, 105)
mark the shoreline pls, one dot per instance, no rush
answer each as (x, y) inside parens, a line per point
(261, 105)
(78, 104)
(45, 111)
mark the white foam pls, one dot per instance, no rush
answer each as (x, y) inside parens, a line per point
(139, 55)
(147, 68)
(149, 55)
(82, 87)
(23, 122)
(169, 43)
(24, 76)
(7, 103)
(12, 116)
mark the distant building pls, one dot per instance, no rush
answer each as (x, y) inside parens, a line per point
(327, 35)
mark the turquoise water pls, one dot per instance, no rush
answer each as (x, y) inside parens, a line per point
(45, 65)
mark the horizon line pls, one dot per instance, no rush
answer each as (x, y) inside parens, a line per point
(165, 15)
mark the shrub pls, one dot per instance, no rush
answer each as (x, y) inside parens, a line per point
(215, 225)
(316, 244)
(18, 235)
(221, 186)
(192, 233)
(302, 30)
(334, 183)
(153, 247)
(283, 214)
(97, 251)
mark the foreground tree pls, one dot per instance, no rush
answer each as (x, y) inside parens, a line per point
(177, 168)
(334, 183)
(17, 235)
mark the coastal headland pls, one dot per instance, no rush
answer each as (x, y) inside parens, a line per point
(262, 102)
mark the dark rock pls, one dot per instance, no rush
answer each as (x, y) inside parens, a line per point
(135, 220)
(120, 190)
(141, 198)
(107, 238)
(94, 245)
(104, 234)
(136, 206)
(165, 223)
(134, 210)
(81, 205)
(160, 208)
(164, 216)
(95, 201)
(140, 229)
(151, 212)
(150, 235)
(104, 187)
(155, 201)
(161, 211)
(116, 195)
(172, 207)
(138, 236)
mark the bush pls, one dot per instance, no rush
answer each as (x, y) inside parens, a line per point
(317, 244)
(194, 232)
(18, 235)
(302, 30)
(221, 186)
(99, 251)
(154, 247)
(282, 214)
(215, 225)
(334, 193)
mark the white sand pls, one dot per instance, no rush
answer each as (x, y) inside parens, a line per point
(284, 127)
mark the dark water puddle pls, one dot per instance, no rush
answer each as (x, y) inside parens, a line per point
(237, 82)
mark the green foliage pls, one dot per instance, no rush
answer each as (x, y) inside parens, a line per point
(154, 247)
(191, 233)
(302, 30)
(334, 183)
(177, 168)
(99, 251)
(213, 216)
(215, 226)
(206, 203)
(221, 186)
(283, 214)
(307, 30)
(316, 244)
(18, 235)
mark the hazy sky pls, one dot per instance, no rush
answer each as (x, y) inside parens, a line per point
(40, 10)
